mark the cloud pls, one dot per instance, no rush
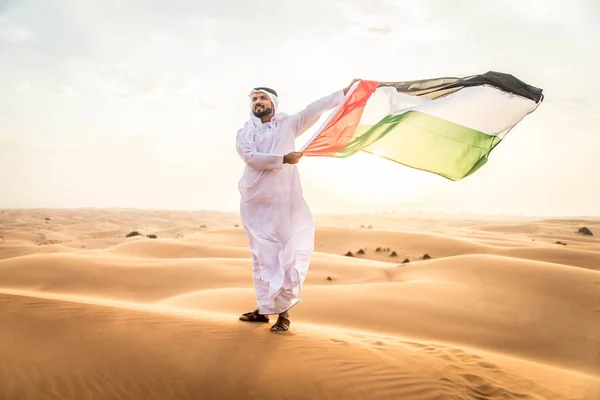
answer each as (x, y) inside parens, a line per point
(112, 81)
(129, 81)
(381, 29)
(13, 33)
(205, 24)
(67, 93)
(210, 48)
(25, 87)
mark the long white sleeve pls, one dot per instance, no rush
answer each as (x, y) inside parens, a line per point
(255, 159)
(311, 114)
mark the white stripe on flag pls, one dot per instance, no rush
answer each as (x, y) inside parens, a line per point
(482, 108)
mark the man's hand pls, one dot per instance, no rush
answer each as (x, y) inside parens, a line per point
(292, 158)
(350, 85)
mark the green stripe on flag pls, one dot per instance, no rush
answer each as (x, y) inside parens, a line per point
(425, 142)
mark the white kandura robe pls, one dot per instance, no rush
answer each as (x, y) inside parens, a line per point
(276, 218)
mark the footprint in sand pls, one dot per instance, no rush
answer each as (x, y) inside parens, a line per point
(483, 388)
(447, 380)
(338, 341)
(373, 342)
(488, 365)
(593, 296)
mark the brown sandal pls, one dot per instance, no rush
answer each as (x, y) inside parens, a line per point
(254, 316)
(281, 325)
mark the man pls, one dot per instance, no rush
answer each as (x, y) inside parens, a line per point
(276, 218)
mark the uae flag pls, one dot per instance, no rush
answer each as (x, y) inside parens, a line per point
(446, 126)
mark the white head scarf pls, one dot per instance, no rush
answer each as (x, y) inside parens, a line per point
(245, 136)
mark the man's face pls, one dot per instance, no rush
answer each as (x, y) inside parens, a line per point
(261, 104)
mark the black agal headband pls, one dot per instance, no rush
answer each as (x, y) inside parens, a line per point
(266, 89)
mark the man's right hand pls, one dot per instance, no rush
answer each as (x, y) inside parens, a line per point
(292, 158)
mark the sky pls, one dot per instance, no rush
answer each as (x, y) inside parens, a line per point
(136, 103)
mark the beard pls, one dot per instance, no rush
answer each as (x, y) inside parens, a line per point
(265, 111)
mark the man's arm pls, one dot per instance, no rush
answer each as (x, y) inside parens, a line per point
(303, 120)
(257, 160)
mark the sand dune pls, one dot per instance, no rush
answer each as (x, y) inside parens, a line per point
(117, 277)
(132, 354)
(543, 311)
(176, 249)
(500, 311)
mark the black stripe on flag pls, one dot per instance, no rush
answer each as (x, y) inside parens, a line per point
(440, 87)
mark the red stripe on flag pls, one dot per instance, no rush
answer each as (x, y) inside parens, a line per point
(340, 129)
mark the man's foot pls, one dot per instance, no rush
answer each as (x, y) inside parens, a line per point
(254, 316)
(282, 324)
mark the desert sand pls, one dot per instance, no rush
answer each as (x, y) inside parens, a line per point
(496, 310)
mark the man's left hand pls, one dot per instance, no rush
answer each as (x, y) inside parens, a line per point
(350, 85)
